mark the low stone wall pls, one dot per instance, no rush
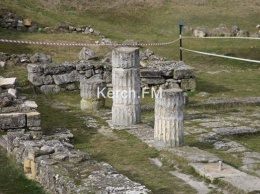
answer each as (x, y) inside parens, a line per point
(60, 169)
(221, 31)
(17, 113)
(14, 22)
(62, 76)
(154, 71)
(8, 60)
(170, 74)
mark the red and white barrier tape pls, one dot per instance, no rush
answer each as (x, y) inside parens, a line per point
(83, 44)
(223, 56)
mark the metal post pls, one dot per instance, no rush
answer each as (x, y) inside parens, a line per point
(220, 164)
(180, 26)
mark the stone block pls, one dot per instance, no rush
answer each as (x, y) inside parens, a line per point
(41, 58)
(13, 92)
(172, 83)
(12, 121)
(8, 82)
(87, 54)
(31, 104)
(54, 69)
(152, 81)
(183, 71)
(33, 119)
(35, 68)
(200, 32)
(84, 65)
(188, 84)
(167, 72)
(38, 79)
(150, 73)
(66, 78)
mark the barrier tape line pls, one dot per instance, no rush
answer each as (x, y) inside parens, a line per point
(212, 37)
(84, 44)
(223, 56)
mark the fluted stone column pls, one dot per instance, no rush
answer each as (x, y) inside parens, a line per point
(168, 125)
(93, 93)
(126, 109)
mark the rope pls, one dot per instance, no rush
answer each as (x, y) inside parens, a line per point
(84, 44)
(223, 56)
(212, 37)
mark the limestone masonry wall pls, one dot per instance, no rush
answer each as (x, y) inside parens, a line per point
(60, 169)
(155, 71)
(17, 113)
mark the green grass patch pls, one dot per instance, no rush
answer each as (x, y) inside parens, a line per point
(13, 180)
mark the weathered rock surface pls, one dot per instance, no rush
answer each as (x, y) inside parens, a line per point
(87, 54)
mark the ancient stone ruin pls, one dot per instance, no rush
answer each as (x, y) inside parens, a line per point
(14, 22)
(93, 93)
(59, 168)
(221, 31)
(154, 71)
(126, 109)
(168, 124)
(9, 60)
(51, 159)
(17, 113)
